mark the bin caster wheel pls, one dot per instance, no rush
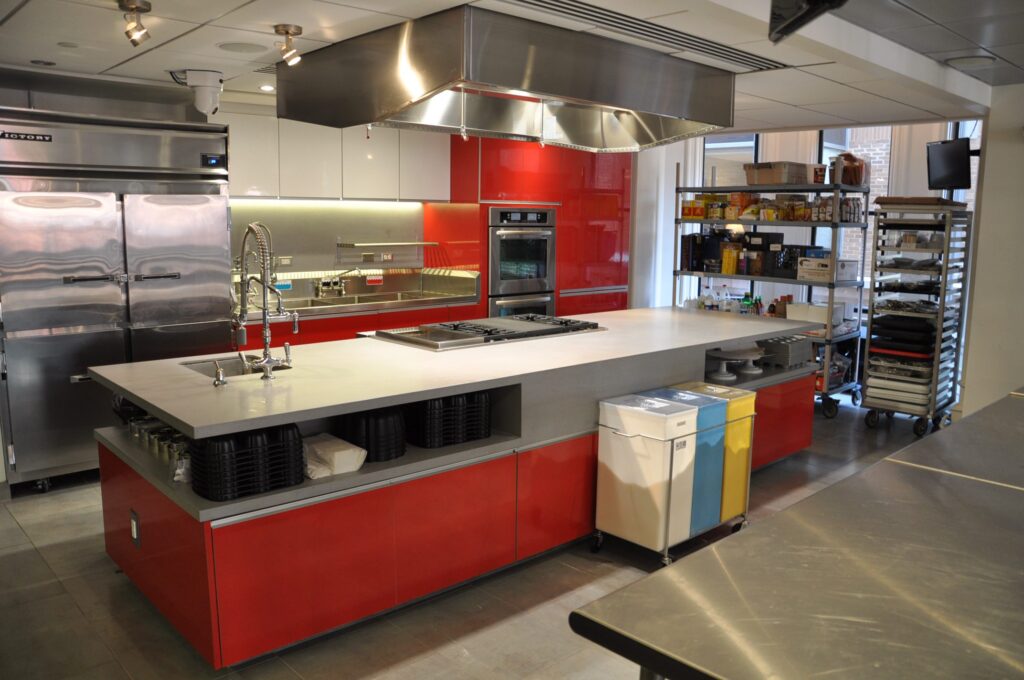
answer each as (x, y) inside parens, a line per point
(739, 525)
(43, 485)
(829, 407)
(890, 414)
(921, 427)
(871, 419)
(597, 542)
(941, 422)
(667, 560)
(855, 397)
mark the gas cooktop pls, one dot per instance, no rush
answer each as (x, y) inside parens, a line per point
(454, 334)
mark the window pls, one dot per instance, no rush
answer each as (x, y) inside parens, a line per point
(724, 156)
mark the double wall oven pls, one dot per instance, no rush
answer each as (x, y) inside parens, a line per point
(522, 261)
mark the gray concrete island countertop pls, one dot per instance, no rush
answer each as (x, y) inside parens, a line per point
(641, 348)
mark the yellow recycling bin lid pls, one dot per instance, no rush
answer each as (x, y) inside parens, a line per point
(741, 402)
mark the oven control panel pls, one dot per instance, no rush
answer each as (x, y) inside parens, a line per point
(521, 216)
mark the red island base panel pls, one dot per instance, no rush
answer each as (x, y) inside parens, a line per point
(239, 590)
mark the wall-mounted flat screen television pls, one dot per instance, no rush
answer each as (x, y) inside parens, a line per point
(949, 164)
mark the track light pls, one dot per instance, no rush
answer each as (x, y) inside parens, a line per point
(289, 54)
(133, 28)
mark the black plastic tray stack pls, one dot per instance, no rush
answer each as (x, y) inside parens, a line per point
(381, 432)
(233, 466)
(449, 420)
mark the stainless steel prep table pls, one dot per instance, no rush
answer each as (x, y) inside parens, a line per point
(904, 570)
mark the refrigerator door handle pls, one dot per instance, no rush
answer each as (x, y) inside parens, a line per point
(81, 378)
(151, 277)
(87, 279)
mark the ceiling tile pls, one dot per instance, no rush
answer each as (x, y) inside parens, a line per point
(902, 89)
(195, 11)
(784, 52)
(991, 31)
(794, 87)
(792, 116)
(744, 123)
(744, 102)
(641, 9)
(998, 75)
(533, 15)
(631, 40)
(319, 20)
(880, 15)
(410, 9)
(717, 24)
(204, 41)
(844, 74)
(155, 65)
(701, 58)
(929, 39)
(871, 109)
(6, 6)
(942, 11)
(250, 82)
(1011, 53)
(32, 33)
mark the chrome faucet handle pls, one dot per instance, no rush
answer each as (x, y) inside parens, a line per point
(268, 371)
(287, 354)
(218, 375)
(295, 323)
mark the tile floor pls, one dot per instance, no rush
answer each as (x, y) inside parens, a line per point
(65, 611)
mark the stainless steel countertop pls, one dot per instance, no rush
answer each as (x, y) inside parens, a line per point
(900, 571)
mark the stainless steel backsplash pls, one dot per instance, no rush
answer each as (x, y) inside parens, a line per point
(307, 231)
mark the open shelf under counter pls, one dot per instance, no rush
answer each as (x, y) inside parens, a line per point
(777, 189)
(771, 279)
(774, 223)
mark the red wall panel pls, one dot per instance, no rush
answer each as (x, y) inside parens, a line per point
(556, 490)
(454, 526)
(289, 576)
(590, 304)
(520, 171)
(784, 422)
(465, 157)
(313, 330)
(171, 564)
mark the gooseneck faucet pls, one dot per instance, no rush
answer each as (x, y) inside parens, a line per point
(263, 254)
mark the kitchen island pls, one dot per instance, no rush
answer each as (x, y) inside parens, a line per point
(241, 578)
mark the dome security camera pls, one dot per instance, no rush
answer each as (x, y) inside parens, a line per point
(206, 88)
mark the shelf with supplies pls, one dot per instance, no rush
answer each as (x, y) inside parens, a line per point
(777, 189)
(914, 349)
(773, 223)
(765, 258)
(772, 279)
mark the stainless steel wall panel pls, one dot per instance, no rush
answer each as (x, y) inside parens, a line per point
(53, 409)
(178, 263)
(61, 260)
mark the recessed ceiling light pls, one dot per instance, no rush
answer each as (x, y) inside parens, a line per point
(69, 45)
(43, 62)
(973, 61)
(242, 47)
(267, 88)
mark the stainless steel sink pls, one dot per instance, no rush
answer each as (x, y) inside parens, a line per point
(232, 366)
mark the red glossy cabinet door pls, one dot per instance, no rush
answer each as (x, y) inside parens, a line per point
(590, 304)
(784, 422)
(556, 489)
(519, 171)
(592, 248)
(455, 525)
(289, 576)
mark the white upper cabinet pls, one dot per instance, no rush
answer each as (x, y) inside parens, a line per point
(252, 154)
(370, 166)
(310, 160)
(424, 165)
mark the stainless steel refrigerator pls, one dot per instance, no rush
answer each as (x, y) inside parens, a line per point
(114, 247)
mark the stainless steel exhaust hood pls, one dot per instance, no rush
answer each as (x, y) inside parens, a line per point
(484, 73)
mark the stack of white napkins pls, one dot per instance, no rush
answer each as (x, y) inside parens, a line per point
(328, 455)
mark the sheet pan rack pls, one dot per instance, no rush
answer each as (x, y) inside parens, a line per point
(920, 260)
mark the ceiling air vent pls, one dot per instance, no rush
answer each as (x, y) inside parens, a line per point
(649, 31)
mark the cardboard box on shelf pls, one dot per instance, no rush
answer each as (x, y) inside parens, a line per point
(802, 311)
(784, 172)
(819, 269)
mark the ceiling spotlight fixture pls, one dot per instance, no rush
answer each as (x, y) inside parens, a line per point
(289, 54)
(972, 61)
(266, 88)
(133, 28)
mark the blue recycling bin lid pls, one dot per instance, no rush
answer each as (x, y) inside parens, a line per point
(712, 410)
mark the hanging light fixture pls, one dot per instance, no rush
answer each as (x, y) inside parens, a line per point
(289, 54)
(133, 28)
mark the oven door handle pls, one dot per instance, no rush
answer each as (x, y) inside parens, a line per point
(523, 301)
(525, 232)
